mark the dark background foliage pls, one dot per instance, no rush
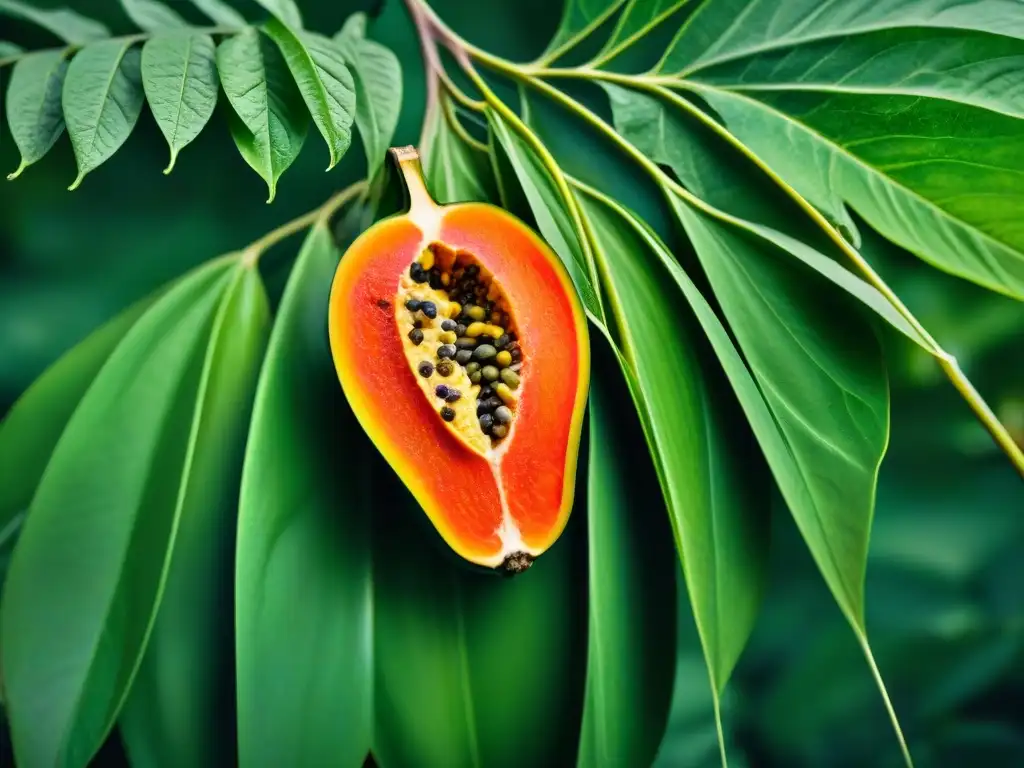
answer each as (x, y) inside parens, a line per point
(945, 606)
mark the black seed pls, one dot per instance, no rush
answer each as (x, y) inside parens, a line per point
(425, 368)
(463, 356)
(453, 395)
(383, 304)
(435, 278)
(494, 402)
(416, 336)
(512, 336)
(446, 351)
(486, 422)
(473, 270)
(482, 408)
(460, 329)
(417, 273)
(502, 341)
(429, 309)
(485, 392)
(448, 414)
(517, 355)
(412, 305)
(445, 368)
(442, 390)
(448, 325)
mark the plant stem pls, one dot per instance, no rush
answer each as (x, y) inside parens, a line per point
(251, 255)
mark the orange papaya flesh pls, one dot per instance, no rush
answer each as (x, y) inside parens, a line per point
(461, 345)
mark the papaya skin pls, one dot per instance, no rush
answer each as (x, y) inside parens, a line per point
(497, 501)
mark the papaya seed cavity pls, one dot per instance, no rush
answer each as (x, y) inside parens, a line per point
(458, 333)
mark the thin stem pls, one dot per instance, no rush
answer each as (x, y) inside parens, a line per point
(458, 94)
(863, 640)
(132, 38)
(460, 130)
(251, 255)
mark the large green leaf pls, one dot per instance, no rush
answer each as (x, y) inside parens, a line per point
(632, 595)
(270, 121)
(377, 78)
(716, 500)
(179, 75)
(71, 27)
(579, 19)
(304, 592)
(549, 208)
(102, 101)
(30, 430)
(318, 66)
(907, 110)
(719, 175)
(286, 11)
(181, 706)
(85, 579)
(800, 338)
(152, 15)
(9, 49)
(455, 171)
(33, 104)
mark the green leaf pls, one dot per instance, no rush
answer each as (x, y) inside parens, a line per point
(323, 79)
(31, 429)
(271, 122)
(798, 338)
(33, 105)
(632, 595)
(184, 693)
(579, 19)
(102, 101)
(553, 220)
(84, 583)
(9, 49)
(69, 26)
(305, 667)
(637, 19)
(220, 12)
(179, 75)
(152, 15)
(456, 172)
(286, 11)
(719, 175)
(905, 110)
(354, 28)
(377, 81)
(716, 500)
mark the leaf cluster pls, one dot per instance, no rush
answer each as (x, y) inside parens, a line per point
(276, 77)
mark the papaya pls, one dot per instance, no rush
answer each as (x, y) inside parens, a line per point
(462, 347)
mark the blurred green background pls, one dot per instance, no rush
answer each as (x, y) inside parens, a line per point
(945, 597)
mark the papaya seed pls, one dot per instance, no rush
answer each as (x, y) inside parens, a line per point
(472, 367)
(502, 341)
(446, 279)
(426, 258)
(486, 422)
(489, 372)
(412, 305)
(493, 402)
(445, 368)
(475, 313)
(448, 414)
(503, 359)
(464, 342)
(463, 356)
(484, 352)
(505, 393)
(441, 390)
(417, 273)
(482, 407)
(446, 351)
(453, 395)
(448, 337)
(472, 270)
(503, 414)
(448, 325)
(416, 336)
(426, 369)
(429, 309)
(510, 378)
(475, 329)
(475, 377)
(460, 329)
(515, 367)
(499, 430)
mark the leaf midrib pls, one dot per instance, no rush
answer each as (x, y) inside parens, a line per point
(94, 129)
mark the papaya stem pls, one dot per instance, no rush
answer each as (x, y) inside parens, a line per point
(421, 204)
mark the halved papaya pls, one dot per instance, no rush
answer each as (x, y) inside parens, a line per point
(462, 347)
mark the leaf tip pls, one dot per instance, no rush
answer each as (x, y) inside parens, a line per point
(170, 165)
(77, 182)
(17, 171)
